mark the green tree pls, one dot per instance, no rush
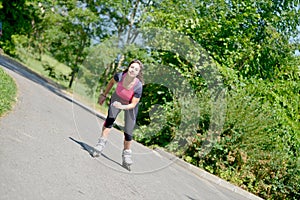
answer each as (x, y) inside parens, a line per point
(18, 17)
(251, 37)
(120, 23)
(70, 30)
(252, 44)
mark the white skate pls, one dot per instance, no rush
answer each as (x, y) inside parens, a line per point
(127, 159)
(97, 150)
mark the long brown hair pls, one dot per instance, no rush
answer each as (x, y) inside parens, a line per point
(140, 75)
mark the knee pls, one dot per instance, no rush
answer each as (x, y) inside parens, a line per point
(109, 122)
(128, 137)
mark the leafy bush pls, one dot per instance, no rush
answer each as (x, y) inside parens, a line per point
(156, 116)
(258, 147)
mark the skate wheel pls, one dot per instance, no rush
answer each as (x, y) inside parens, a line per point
(126, 166)
(94, 153)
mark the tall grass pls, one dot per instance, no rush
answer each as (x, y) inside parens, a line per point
(61, 71)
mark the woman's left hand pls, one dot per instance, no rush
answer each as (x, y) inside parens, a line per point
(118, 105)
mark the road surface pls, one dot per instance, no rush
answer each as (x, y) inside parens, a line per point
(42, 154)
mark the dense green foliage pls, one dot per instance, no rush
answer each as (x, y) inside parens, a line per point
(17, 17)
(221, 77)
(8, 90)
(258, 147)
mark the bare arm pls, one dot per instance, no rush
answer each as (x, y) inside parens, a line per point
(133, 104)
(109, 86)
(102, 96)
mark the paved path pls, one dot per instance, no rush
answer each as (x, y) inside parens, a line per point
(42, 155)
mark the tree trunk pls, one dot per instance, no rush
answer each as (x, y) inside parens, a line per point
(72, 79)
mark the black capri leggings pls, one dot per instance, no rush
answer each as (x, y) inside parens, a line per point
(130, 119)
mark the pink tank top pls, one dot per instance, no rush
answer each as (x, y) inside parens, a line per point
(125, 94)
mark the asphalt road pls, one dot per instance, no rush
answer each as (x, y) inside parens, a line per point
(43, 143)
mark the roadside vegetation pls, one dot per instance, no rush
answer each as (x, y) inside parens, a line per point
(222, 77)
(8, 92)
(58, 72)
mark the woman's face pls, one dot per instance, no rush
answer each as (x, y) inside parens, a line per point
(134, 69)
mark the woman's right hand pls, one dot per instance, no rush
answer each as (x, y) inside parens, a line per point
(101, 99)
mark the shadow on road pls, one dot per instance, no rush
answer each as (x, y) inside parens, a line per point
(89, 149)
(190, 198)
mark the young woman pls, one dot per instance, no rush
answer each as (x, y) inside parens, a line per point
(126, 97)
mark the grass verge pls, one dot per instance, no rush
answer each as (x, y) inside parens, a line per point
(8, 92)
